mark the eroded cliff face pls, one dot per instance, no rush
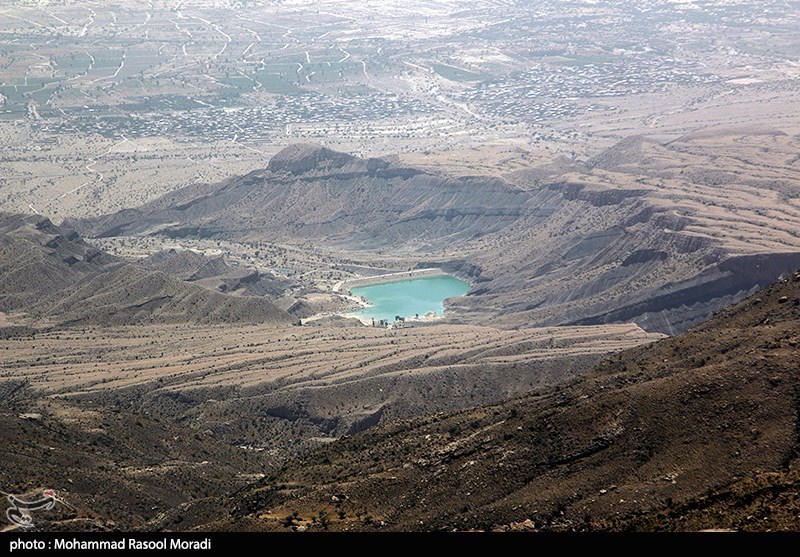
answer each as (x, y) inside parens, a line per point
(609, 241)
(644, 266)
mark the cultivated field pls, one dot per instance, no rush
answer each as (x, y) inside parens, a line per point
(106, 107)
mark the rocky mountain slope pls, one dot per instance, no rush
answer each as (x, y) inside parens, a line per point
(134, 425)
(214, 273)
(167, 427)
(659, 234)
(308, 193)
(110, 469)
(696, 431)
(284, 390)
(48, 274)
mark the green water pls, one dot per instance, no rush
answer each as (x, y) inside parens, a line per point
(407, 298)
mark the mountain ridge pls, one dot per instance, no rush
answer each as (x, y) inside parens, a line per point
(51, 275)
(600, 243)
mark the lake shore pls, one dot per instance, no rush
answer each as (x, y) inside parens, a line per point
(430, 317)
(416, 298)
(348, 289)
(346, 285)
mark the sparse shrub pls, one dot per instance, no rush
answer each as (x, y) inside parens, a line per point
(290, 519)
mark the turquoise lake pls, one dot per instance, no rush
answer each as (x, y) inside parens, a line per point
(407, 298)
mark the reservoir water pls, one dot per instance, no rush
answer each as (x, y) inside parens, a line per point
(407, 298)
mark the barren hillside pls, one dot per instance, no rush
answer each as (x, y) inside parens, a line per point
(696, 431)
(47, 273)
(659, 234)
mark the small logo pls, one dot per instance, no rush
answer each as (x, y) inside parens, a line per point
(19, 512)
